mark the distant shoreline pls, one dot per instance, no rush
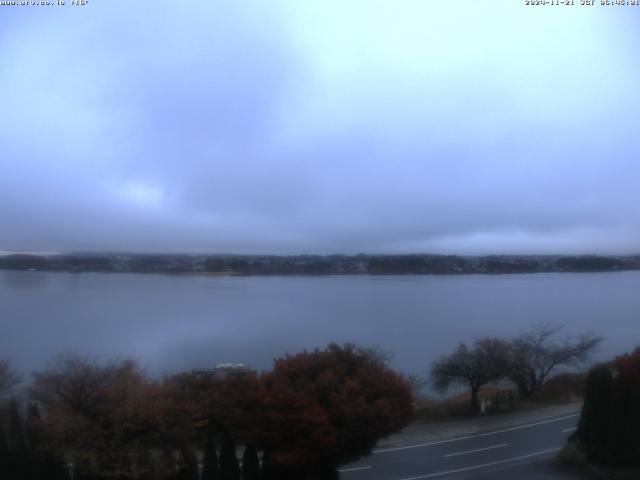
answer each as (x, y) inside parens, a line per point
(318, 265)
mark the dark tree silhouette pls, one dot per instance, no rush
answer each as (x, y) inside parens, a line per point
(229, 468)
(18, 452)
(35, 441)
(99, 411)
(9, 378)
(538, 353)
(210, 459)
(624, 445)
(595, 419)
(4, 456)
(188, 469)
(608, 426)
(484, 362)
(250, 463)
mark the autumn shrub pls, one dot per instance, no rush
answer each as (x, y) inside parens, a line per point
(312, 412)
(455, 406)
(329, 407)
(562, 387)
(429, 409)
(98, 416)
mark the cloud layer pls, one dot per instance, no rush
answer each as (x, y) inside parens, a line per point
(295, 127)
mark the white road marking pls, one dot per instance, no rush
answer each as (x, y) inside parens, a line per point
(478, 435)
(476, 450)
(475, 467)
(354, 469)
(569, 429)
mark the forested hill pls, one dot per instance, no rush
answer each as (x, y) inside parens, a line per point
(316, 264)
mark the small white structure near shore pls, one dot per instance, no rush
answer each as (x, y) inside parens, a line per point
(223, 370)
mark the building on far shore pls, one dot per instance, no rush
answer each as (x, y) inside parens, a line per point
(223, 370)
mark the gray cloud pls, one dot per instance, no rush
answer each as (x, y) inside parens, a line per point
(223, 128)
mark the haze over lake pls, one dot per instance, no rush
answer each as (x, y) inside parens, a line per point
(172, 323)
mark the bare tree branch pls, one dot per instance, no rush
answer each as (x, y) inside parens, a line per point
(9, 378)
(536, 354)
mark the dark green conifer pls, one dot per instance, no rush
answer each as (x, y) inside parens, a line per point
(624, 436)
(18, 453)
(34, 442)
(4, 456)
(250, 463)
(229, 468)
(210, 459)
(594, 425)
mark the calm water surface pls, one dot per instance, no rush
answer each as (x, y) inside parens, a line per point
(170, 323)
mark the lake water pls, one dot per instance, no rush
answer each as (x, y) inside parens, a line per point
(171, 323)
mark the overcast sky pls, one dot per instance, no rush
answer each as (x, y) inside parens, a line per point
(319, 127)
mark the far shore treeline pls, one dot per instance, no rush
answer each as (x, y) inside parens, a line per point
(361, 264)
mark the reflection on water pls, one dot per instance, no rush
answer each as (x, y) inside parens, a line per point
(178, 322)
(16, 279)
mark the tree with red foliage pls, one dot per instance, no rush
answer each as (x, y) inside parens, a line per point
(628, 365)
(233, 405)
(329, 407)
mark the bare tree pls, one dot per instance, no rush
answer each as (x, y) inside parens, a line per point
(95, 410)
(377, 352)
(84, 387)
(416, 383)
(536, 354)
(9, 378)
(486, 361)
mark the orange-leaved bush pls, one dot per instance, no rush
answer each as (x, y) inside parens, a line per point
(329, 407)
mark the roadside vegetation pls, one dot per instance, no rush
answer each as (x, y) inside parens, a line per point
(608, 435)
(312, 412)
(90, 420)
(539, 363)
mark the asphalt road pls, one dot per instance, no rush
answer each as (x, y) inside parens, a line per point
(523, 452)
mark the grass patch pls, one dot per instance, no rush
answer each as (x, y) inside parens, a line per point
(560, 389)
(429, 409)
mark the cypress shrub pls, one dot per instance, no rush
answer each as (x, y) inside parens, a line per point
(595, 420)
(188, 466)
(250, 463)
(266, 472)
(53, 467)
(622, 433)
(4, 456)
(210, 459)
(229, 468)
(34, 442)
(610, 417)
(624, 445)
(18, 453)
